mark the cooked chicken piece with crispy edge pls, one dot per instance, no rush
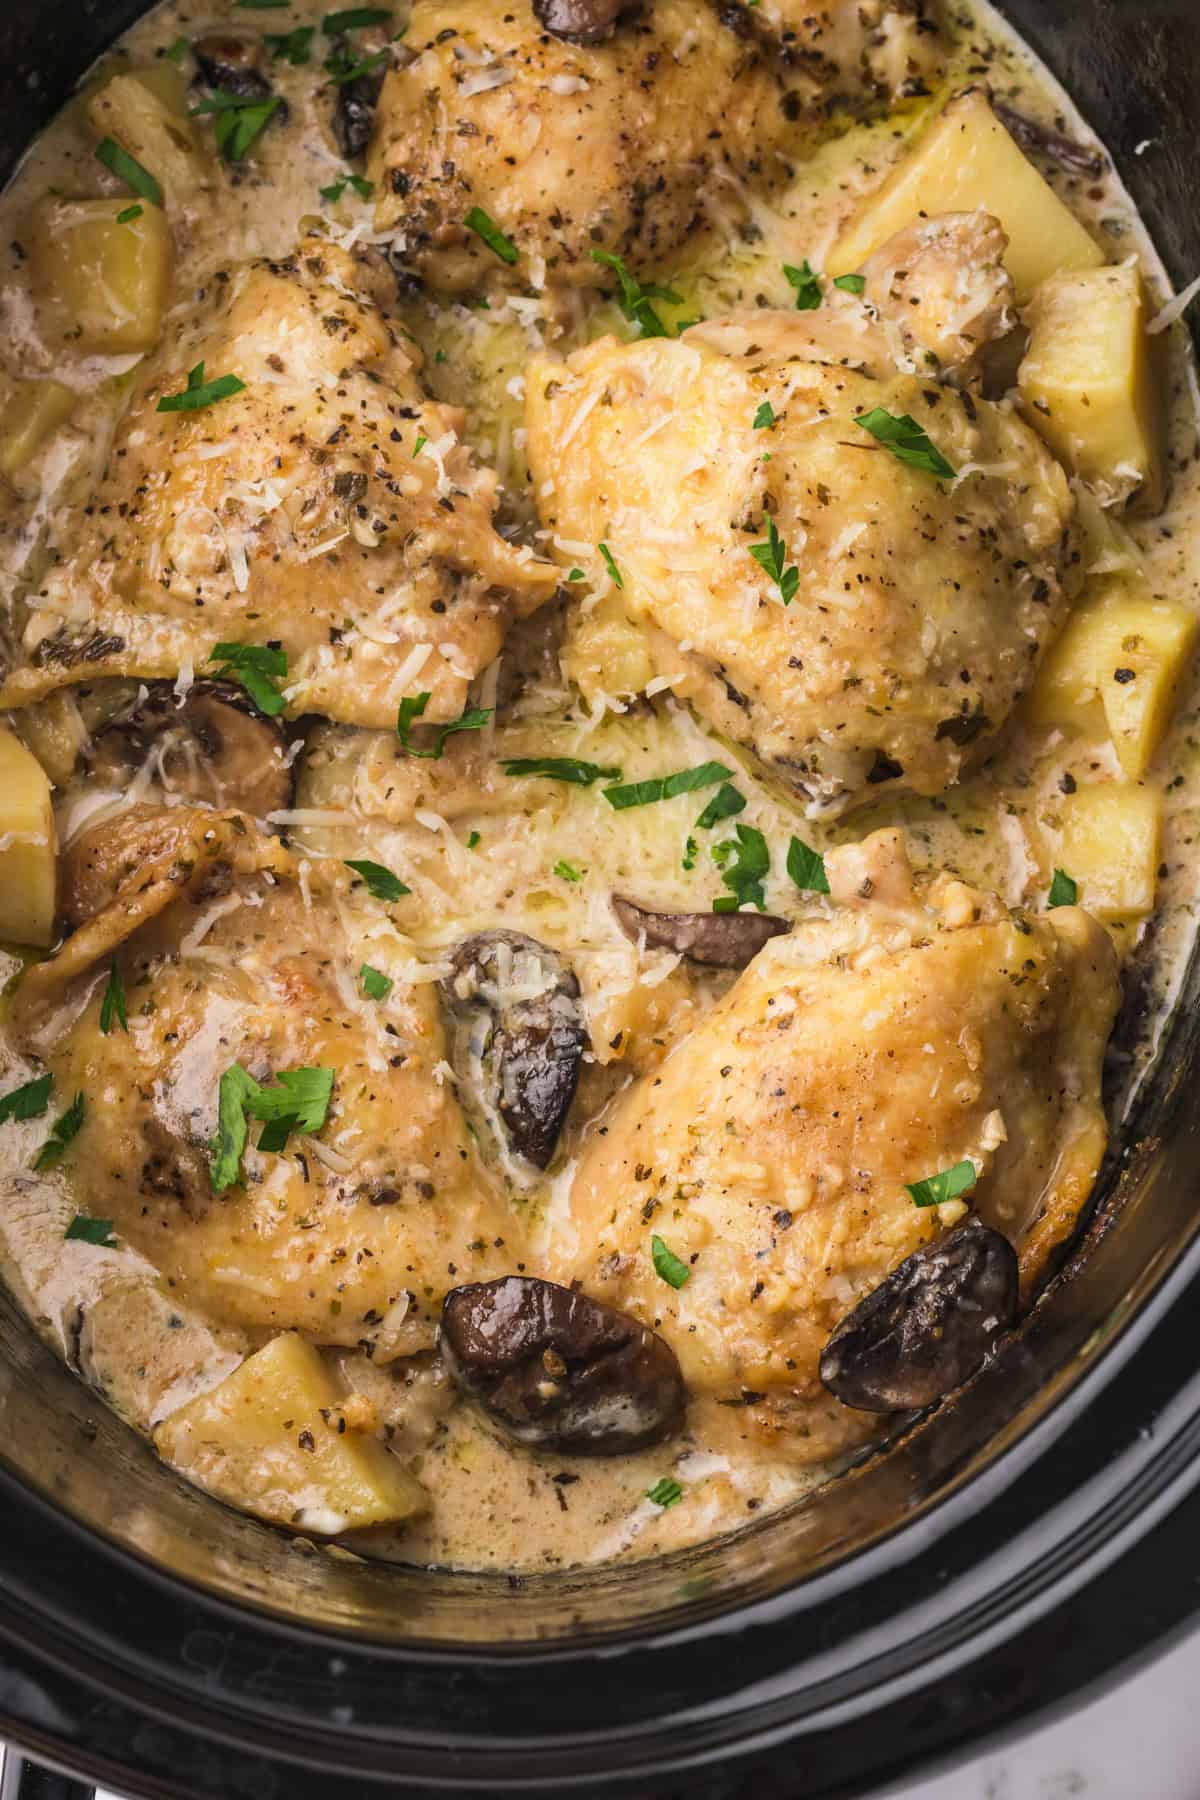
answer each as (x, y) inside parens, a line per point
(608, 144)
(329, 507)
(230, 952)
(773, 1150)
(852, 615)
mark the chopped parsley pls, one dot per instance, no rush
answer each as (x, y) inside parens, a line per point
(610, 565)
(764, 417)
(238, 123)
(91, 1231)
(112, 1007)
(665, 787)
(257, 667)
(342, 70)
(300, 1102)
(486, 228)
(636, 296)
(561, 768)
(420, 444)
(294, 47)
(665, 1492)
(29, 1101)
(691, 851)
(261, 5)
(354, 18)
(772, 556)
(411, 708)
(178, 50)
(362, 187)
(200, 393)
(807, 868)
(743, 862)
(806, 284)
(576, 575)
(382, 884)
(65, 1128)
(935, 1190)
(906, 440)
(724, 804)
(130, 213)
(129, 170)
(376, 985)
(473, 841)
(667, 1265)
(568, 871)
(1063, 890)
(850, 284)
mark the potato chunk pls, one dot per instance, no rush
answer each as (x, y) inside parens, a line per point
(963, 161)
(1091, 382)
(1116, 667)
(35, 409)
(271, 1439)
(28, 847)
(1109, 845)
(104, 282)
(146, 113)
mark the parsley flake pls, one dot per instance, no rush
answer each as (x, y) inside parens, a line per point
(130, 213)
(294, 47)
(382, 884)
(299, 1102)
(906, 440)
(561, 768)
(576, 575)
(238, 123)
(665, 787)
(806, 284)
(486, 228)
(807, 868)
(691, 851)
(420, 444)
(200, 393)
(1063, 890)
(935, 1190)
(376, 985)
(354, 18)
(667, 1265)
(29, 1101)
(112, 1007)
(850, 284)
(636, 296)
(342, 69)
(473, 841)
(362, 187)
(257, 667)
(772, 556)
(411, 708)
(129, 170)
(724, 804)
(65, 1128)
(743, 862)
(665, 1492)
(764, 418)
(91, 1231)
(178, 50)
(610, 565)
(567, 871)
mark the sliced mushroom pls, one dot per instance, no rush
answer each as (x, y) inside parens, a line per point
(723, 940)
(560, 1371)
(233, 64)
(1031, 134)
(928, 1327)
(519, 1034)
(354, 111)
(214, 746)
(581, 21)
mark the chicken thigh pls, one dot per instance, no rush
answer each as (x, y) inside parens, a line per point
(773, 1151)
(577, 126)
(328, 507)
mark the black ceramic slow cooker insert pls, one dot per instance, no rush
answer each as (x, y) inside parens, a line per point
(1034, 1536)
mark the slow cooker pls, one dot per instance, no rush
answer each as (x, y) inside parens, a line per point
(1034, 1536)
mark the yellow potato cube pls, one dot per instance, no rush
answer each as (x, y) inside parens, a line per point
(33, 412)
(105, 282)
(267, 1440)
(1109, 845)
(28, 847)
(1092, 382)
(963, 160)
(1116, 667)
(146, 113)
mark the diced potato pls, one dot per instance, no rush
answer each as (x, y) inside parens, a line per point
(262, 1441)
(147, 114)
(1092, 382)
(105, 282)
(1109, 845)
(1116, 667)
(963, 160)
(31, 414)
(28, 847)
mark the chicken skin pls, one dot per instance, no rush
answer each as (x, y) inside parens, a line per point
(854, 611)
(329, 508)
(232, 952)
(604, 137)
(773, 1150)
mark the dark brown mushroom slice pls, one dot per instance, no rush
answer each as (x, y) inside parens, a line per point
(518, 1038)
(213, 746)
(560, 1371)
(581, 21)
(1031, 134)
(925, 1329)
(232, 64)
(354, 108)
(722, 940)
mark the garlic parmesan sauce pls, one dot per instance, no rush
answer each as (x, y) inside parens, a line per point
(495, 1506)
